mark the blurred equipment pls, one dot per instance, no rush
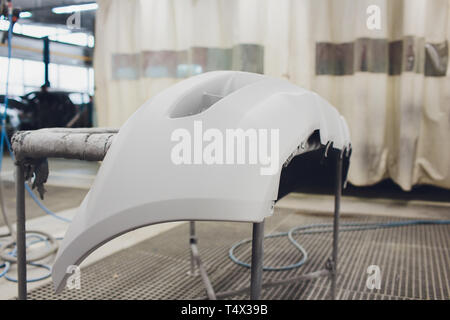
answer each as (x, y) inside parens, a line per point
(55, 109)
(6, 10)
(45, 109)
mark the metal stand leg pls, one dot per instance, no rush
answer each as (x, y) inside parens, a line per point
(257, 261)
(192, 240)
(337, 203)
(20, 225)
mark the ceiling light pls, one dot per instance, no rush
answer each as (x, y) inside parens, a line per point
(75, 8)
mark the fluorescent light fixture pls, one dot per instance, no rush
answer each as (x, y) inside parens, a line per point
(37, 31)
(25, 14)
(75, 8)
(78, 38)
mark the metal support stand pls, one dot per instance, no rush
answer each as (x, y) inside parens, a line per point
(20, 226)
(192, 240)
(330, 269)
(337, 204)
(197, 262)
(257, 260)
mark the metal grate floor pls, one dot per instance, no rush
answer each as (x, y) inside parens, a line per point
(414, 263)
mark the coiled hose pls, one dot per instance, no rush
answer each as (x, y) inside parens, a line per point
(323, 228)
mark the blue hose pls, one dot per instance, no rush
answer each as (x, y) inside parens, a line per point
(7, 265)
(323, 228)
(39, 265)
(41, 205)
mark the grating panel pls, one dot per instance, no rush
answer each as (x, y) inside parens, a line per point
(413, 262)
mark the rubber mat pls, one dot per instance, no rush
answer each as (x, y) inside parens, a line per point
(413, 262)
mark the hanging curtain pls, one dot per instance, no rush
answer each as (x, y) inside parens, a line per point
(392, 84)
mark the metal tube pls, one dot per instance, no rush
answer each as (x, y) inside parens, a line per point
(337, 203)
(20, 226)
(257, 261)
